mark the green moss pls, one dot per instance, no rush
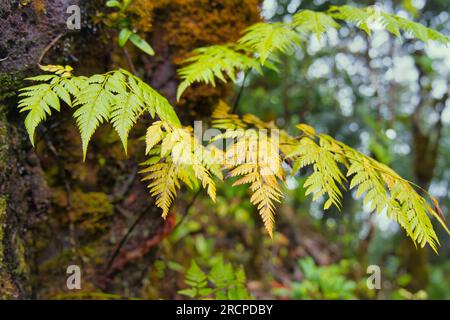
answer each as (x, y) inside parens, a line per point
(9, 83)
(90, 253)
(3, 142)
(6, 286)
(22, 267)
(89, 210)
(2, 222)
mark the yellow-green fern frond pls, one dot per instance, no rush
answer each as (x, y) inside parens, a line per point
(223, 119)
(63, 71)
(94, 104)
(38, 100)
(177, 156)
(364, 17)
(117, 97)
(164, 183)
(255, 159)
(356, 16)
(327, 178)
(383, 189)
(311, 22)
(266, 39)
(212, 62)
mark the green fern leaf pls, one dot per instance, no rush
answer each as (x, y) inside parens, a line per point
(266, 39)
(212, 62)
(362, 17)
(38, 100)
(94, 104)
(311, 22)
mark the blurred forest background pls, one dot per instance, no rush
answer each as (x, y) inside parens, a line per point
(385, 96)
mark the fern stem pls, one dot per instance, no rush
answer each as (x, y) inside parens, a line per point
(48, 47)
(186, 210)
(124, 240)
(239, 95)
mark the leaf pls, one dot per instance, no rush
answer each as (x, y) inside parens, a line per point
(113, 3)
(154, 135)
(362, 17)
(94, 106)
(141, 44)
(124, 114)
(195, 276)
(255, 159)
(124, 35)
(266, 39)
(38, 101)
(382, 188)
(311, 22)
(212, 62)
(307, 129)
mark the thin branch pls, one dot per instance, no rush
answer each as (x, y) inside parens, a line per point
(47, 48)
(241, 90)
(124, 239)
(186, 210)
(129, 61)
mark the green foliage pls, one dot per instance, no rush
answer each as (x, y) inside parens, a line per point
(214, 62)
(384, 190)
(254, 157)
(332, 163)
(176, 155)
(316, 23)
(122, 24)
(326, 177)
(364, 17)
(321, 282)
(439, 279)
(222, 282)
(117, 97)
(266, 40)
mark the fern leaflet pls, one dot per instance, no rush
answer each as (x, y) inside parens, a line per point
(214, 62)
(117, 97)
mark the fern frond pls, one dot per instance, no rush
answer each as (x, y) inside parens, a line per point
(177, 156)
(418, 30)
(212, 62)
(255, 158)
(266, 39)
(64, 72)
(154, 102)
(327, 177)
(94, 105)
(164, 184)
(311, 22)
(352, 15)
(38, 100)
(363, 17)
(383, 190)
(118, 97)
(386, 191)
(124, 114)
(223, 119)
